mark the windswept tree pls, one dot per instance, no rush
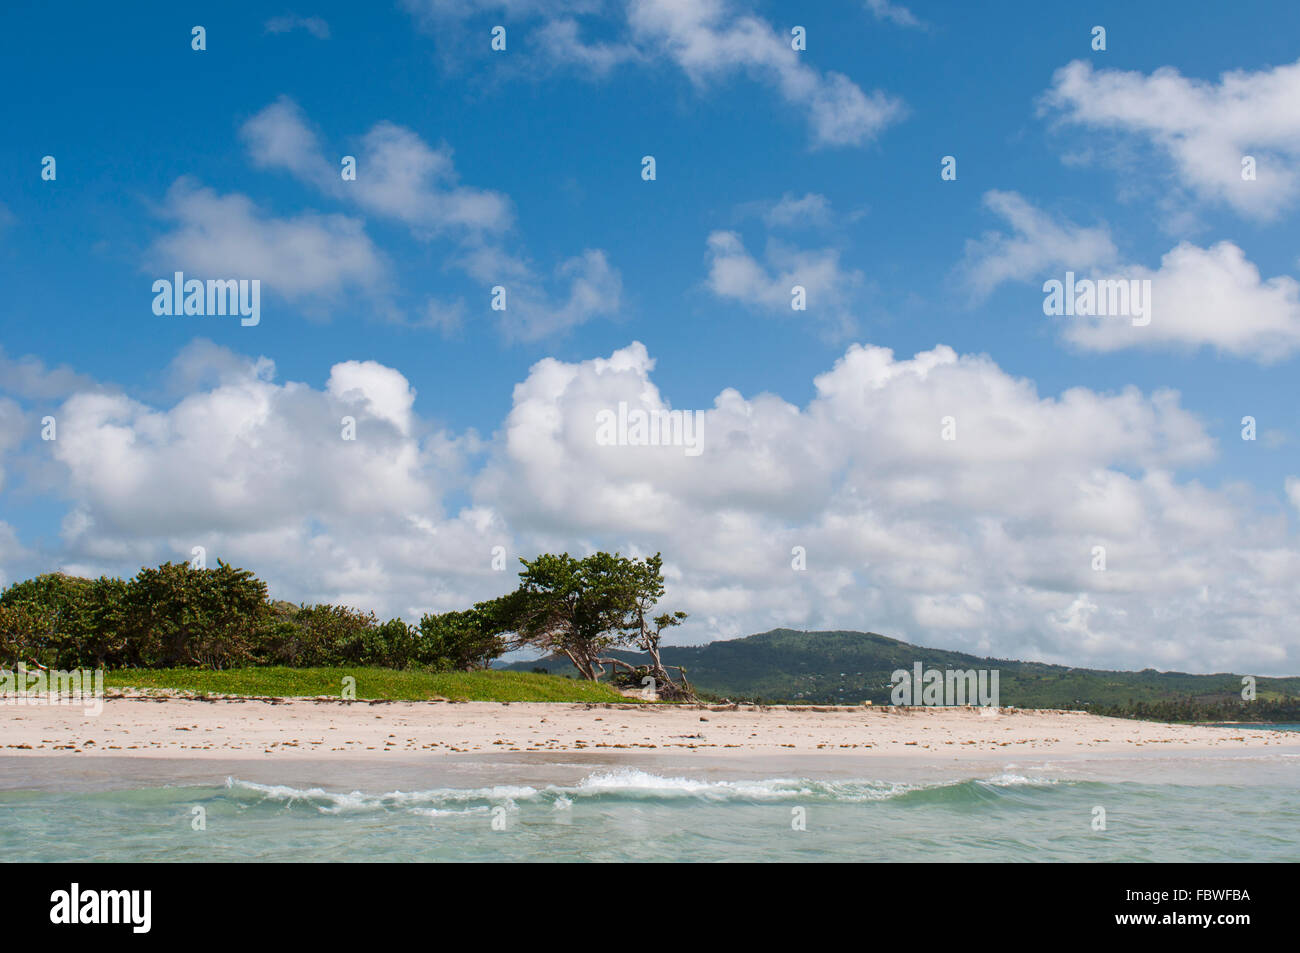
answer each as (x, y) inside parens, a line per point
(643, 630)
(581, 608)
(572, 607)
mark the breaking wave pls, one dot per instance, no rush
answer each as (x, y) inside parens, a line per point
(627, 784)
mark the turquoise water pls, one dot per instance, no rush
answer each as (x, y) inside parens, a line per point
(1242, 809)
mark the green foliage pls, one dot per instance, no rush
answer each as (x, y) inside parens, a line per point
(332, 635)
(580, 608)
(44, 619)
(1189, 709)
(24, 629)
(391, 645)
(465, 640)
(179, 615)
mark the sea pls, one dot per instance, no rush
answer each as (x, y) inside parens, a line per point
(586, 807)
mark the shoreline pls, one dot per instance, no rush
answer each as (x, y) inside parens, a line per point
(152, 726)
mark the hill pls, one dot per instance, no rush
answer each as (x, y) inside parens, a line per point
(853, 667)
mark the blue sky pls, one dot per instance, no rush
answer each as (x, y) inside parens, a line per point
(170, 157)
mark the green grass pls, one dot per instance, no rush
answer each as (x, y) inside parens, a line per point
(372, 683)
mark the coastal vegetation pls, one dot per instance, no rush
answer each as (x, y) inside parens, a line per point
(180, 616)
(593, 619)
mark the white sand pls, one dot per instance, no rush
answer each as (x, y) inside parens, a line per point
(296, 728)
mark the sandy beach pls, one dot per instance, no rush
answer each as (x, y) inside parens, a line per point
(295, 728)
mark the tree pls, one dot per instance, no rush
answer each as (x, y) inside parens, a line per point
(460, 641)
(580, 608)
(324, 635)
(572, 607)
(51, 613)
(24, 628)
(176, 615)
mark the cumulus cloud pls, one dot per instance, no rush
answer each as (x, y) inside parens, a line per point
(29, 377)
(984, 542)
(228, 236)
(1204, 128)
(1199, 297)
(258, 471)
(1206, 297)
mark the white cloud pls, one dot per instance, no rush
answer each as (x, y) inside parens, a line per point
(895, 13)
(988, 538)
(591, 288)
(258, 472)
(708, 39)
(29, 377)
(561, 41)
(1204, 128)
(1200, 297)
(381, 391)
(982, 543)
(1037, 242)
(1211, 297)
(831, 290)
(227, 236)
(399, 176)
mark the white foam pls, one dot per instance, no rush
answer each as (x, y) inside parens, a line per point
(623, 783)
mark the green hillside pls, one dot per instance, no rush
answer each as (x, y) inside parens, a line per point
(853, 667)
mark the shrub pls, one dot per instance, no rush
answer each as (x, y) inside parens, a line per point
(330, 635)
(176, 615)
(47, 618)
(461, 641)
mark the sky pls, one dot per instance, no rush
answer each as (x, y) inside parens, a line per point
(920, 450)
